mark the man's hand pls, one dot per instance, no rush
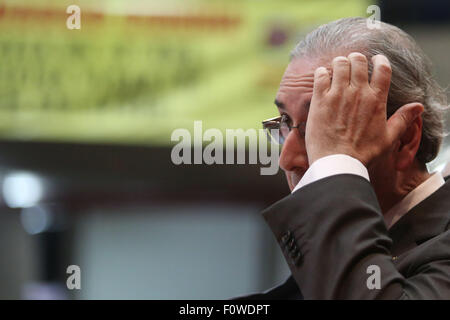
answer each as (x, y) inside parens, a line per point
(348, 114)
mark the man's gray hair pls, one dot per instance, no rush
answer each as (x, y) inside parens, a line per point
(411, 69)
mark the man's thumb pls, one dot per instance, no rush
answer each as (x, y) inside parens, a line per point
(400, 121)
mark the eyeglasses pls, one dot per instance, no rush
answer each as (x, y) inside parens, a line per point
(278, 128)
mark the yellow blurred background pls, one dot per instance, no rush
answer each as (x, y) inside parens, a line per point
(136, 70)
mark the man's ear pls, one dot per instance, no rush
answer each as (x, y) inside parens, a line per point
(409, 142)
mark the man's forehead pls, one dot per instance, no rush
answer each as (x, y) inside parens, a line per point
(300, 69)
(292, 79)
(297, 80)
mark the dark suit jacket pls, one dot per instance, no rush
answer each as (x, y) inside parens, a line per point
(332, 230)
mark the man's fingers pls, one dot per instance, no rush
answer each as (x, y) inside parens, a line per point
(321, 80)
(381, 76)
(341, 73)
(359, 72)
(400, 121)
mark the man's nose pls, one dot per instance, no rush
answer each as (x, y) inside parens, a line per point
(293, 154)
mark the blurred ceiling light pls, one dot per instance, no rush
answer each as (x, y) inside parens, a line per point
(35, 219)
(22, 189)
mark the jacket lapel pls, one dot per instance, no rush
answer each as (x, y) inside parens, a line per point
(425, 221)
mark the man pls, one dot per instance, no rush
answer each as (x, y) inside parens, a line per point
(360, 118)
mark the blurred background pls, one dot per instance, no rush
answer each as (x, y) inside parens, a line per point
(86, 118)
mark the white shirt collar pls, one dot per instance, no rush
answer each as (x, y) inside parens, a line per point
(424, 190)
